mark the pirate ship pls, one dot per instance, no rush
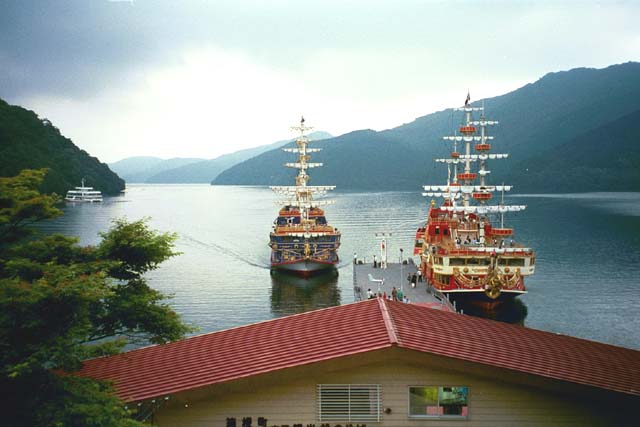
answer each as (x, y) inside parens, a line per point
(465, 249)
(302, 242)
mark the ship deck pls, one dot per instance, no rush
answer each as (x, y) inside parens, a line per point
(366, 277)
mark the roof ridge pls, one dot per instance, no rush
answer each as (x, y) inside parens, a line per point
(388, 322)
(220, 331)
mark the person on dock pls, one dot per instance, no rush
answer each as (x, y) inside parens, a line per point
(369, 293)
(384, 295)
(405, 300)
(375, 262)
(394, 294)
(400, 295)
(419, 274)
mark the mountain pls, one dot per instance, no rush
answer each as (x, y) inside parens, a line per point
(603, 159)
(208, 170)
(185, 170)
(534, 121)
(140, 169)
(29, 142)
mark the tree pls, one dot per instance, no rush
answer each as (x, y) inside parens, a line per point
(61, 303)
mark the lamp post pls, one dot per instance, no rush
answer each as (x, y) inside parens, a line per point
(383, 247)
(401, 275)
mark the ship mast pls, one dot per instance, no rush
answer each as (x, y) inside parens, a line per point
(462, 186)
(301, 194)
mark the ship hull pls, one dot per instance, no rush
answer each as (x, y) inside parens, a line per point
(304, 256)
(478, 297)
(304, 268)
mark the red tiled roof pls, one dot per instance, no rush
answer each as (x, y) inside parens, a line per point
(517, 348)
(357, 328)
(244, 351)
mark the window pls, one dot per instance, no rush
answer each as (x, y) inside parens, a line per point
(348, 402)
(438, 401)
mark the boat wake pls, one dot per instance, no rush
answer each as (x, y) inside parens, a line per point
(226, 251)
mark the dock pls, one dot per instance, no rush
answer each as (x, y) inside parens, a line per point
(382, 279)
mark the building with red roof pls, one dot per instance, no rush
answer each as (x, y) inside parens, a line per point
(377, 362)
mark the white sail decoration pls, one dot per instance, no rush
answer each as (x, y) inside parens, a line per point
(305, 205)
(459, 138)
(482, 156)
(484, 209)
(297, 150)
(468, 188)
(303, 165)
(450, 196)
(293, 189)
(451, 161)
(483, 122)
(468, 109)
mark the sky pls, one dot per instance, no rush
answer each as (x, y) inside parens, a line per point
(197, 78)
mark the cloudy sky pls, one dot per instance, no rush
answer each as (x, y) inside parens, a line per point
(196, 78)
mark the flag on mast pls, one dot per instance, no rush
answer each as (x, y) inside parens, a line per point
(466, 102)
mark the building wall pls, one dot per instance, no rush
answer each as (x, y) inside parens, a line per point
(496, 397)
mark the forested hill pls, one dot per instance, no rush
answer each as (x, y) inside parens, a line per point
(602, 159)
(28, 142)
(536, 121)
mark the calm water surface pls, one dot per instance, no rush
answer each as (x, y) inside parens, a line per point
(587, 269)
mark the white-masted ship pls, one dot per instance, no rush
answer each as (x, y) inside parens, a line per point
(302, 241)
(466, 251)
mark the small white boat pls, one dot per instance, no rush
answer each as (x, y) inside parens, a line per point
(83, 194)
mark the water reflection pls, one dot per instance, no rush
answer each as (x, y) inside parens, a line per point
(514, 311)
(291, 294)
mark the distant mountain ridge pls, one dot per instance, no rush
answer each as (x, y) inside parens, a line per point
(140, 169)
(187, 170)
(29, 142)
(534, 121)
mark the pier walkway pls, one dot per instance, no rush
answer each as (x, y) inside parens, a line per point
(382, 280)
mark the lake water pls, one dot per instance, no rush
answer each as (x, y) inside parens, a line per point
(587, 281)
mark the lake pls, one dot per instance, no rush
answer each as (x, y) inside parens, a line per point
(587, 281)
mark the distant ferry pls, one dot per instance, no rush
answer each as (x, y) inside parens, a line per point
(83, 194)
(466, 251)
(302, 242)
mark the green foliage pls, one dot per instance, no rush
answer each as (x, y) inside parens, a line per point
(22, 204)
(61, 303)
(136, 247)
(28, 142)
(47, 399)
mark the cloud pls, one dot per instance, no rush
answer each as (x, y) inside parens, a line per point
(201, 78)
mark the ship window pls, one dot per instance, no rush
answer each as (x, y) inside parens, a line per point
(442, 278)
(502, 261)
(456, 261)
(438, 402)
(473, 261)
(517, 262)
(348, 402)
